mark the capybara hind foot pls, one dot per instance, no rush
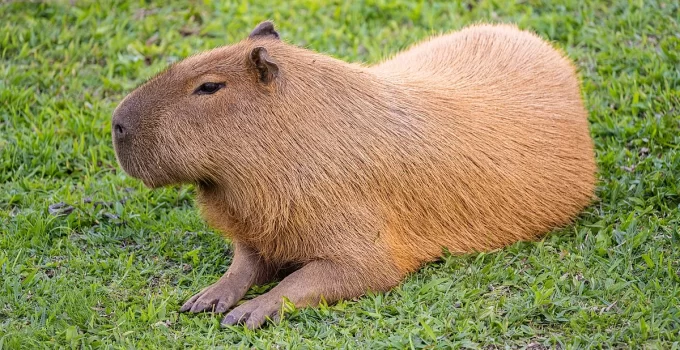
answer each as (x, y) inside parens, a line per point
(246, 270)
(306, 286)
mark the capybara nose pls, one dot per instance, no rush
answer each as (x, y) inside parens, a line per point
(119, 130)
(120, 124)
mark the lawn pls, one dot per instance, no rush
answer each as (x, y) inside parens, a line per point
(111, 266)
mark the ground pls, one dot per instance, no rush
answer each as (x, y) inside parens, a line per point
(111, 266)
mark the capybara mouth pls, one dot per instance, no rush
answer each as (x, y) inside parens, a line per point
(133, 168)
(138, 160)
(150, 173)
(150, 181)
(150, 184)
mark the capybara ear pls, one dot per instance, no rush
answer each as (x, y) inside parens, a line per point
(263, 30)
(266, 67)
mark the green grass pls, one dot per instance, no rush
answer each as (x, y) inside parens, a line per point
(114, 273)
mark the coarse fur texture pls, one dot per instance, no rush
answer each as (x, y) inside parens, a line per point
(351, 176)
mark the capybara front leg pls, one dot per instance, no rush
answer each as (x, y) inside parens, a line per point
(305, 287)
(246, 270)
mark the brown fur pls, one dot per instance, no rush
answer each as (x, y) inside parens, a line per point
(354, 175)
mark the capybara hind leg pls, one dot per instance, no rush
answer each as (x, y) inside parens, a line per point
(246, 270)
(306, 286)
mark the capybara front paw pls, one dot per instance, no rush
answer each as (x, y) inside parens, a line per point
(217, 298)
(253, 313)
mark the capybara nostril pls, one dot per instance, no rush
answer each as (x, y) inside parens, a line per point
(119, 130)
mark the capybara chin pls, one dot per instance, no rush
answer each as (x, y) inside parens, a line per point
(341, 178)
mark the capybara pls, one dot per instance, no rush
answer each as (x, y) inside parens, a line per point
(340, 178)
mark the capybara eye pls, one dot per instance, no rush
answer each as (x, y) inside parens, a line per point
(208, 88)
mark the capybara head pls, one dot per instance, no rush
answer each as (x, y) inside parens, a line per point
(165, 131)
